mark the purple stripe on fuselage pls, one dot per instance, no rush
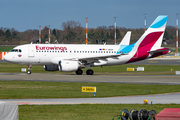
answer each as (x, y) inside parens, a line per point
(145, 46)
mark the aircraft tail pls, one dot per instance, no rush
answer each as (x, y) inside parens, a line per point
(126, 39)
(149, 44)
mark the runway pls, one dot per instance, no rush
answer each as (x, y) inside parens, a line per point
(134, 79)
(113, 78)
(156, 99)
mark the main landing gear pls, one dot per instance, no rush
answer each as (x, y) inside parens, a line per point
(79, 72)
(88, 72)
(29, 70)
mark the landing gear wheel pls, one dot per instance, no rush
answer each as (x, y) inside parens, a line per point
(29, 69)
(28, 72)
(79, 72)
(89, 72)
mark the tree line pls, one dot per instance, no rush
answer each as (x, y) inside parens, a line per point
(72, 32)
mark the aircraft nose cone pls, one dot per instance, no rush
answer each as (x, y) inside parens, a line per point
(6, 57)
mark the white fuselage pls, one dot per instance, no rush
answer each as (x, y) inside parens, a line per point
(44, 54)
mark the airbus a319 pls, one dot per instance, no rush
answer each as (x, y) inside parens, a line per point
(74, 57)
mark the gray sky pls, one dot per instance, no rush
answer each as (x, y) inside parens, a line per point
(29, 14)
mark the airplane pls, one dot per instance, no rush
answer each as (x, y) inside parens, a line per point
(74, 57)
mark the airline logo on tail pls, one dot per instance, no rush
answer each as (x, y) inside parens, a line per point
(150, 41)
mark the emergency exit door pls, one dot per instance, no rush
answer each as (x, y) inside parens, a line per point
(30, 51)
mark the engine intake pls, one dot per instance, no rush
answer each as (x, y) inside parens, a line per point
(51, 67)
(67, 66)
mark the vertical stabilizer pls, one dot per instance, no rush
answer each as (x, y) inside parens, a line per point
(154, 34)
(151, 40)
(126, 39)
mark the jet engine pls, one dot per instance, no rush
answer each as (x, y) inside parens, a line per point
(51, 67)
(67, 66)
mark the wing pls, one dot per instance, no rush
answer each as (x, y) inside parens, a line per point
(86, 59)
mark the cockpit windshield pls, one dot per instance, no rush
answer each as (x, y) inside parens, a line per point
(16, 50)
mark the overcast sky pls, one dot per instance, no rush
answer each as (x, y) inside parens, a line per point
(29, 14)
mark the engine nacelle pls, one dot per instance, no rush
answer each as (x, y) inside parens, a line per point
(67, 66)
(51, 67)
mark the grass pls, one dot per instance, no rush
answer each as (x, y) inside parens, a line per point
(38, 89)
(118, 69)
(83, 111)
(6, 49)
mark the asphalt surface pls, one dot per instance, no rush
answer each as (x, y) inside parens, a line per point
(136, 79)
(155, 99)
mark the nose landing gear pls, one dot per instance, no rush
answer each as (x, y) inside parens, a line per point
(29, 70)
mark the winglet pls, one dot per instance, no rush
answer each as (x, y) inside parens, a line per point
(126, 39)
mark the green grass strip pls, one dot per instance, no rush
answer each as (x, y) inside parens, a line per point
(83, 111)
(118, 69)
(6, 49)
(37, 89)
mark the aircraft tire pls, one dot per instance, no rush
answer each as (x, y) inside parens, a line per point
(28, 72)
(89, 72)
(79, 72)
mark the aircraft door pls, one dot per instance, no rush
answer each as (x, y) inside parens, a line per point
(30, 51)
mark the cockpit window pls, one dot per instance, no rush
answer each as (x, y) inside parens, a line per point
(16, 50)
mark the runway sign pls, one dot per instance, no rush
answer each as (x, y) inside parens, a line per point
(88, 89)
(130, 69)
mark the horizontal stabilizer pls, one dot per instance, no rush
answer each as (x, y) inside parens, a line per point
(159, 50)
